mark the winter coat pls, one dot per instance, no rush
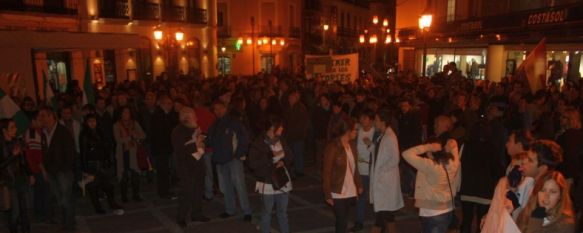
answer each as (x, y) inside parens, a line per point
(385, 184)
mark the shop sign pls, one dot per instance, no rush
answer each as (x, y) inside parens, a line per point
(555, 16)
(343, 68)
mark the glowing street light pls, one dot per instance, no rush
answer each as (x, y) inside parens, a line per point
(425, 21)
(158, 34)
(179, 35)
(385, 23)
(361, 39)
(424, 24)
(326, 27)
(375, 20)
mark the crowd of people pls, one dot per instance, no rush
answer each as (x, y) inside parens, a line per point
(508, 155)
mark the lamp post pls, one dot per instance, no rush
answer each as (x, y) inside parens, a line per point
(253, 38)
(325, 28)
(271, 58)
(167, 41)
(424, 24)
(378, 31)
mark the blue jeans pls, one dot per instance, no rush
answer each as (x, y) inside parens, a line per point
(436, 224)
(232, 177)
(361, 204)
(281, 201)
(209, 177)
(61, 185)
(297, 148)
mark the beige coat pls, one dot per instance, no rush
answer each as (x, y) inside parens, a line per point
(432, 189)
(127, 139)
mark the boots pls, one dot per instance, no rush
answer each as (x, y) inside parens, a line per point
(391, 227)
(94, 195)
(136, 187)
(124, 187)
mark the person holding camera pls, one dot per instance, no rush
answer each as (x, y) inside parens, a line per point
(188, 146)
(269, 158)
(437, 163)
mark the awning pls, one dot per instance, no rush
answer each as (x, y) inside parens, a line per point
(71, 40)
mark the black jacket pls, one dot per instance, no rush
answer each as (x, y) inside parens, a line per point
(261, 159)
(184, 146)
(59, 155)
(161, 128)
(93, 147)
(570, 141)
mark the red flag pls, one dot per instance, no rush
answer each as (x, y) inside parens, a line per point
(534, 67)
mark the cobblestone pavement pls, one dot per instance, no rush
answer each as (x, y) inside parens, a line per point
(307, 214)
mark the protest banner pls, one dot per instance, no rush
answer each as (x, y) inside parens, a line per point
(330, 68)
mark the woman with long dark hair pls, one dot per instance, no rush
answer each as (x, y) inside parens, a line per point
(340, 178)
(15, 177)
(437, 163)
(95, 161)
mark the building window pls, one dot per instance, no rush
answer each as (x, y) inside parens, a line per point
(221, 14)
(450, 10)
(225, 65)
(267, 62)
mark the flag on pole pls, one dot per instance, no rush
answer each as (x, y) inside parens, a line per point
(48, 95)
(533, 69)
(88, 97)
(9, 109)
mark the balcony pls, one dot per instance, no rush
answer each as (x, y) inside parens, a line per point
(313, 5)
(114, 9)
(273, 31)
(65, 7)
(224, 31)
(175, 14)
(347, 32)
(295, 32)
(197, 16)
(146, 10)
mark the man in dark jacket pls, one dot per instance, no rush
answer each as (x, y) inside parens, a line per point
(58, 148)
(409, 135)
(320, 118)
(296, 120)
(230, 143)
(187, 142)
(163, 121)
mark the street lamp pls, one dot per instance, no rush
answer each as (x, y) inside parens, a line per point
(325, 28)
(424, 24)
(168, 42)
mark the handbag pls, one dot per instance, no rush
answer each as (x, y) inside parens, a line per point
(143, 157)
(4, 198)
(279, 178)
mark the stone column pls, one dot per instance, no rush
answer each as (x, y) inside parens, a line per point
(495, 63)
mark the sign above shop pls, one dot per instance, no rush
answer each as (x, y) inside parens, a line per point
(554, 16)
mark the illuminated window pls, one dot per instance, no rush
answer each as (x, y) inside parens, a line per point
(450, 10)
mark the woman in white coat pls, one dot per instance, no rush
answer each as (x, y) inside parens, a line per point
(385, 185)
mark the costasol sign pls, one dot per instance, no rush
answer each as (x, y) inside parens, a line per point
(343, 68)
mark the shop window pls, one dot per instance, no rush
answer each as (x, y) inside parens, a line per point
(109, 65)
(59, 70)
(224, 65)
(267, 62)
